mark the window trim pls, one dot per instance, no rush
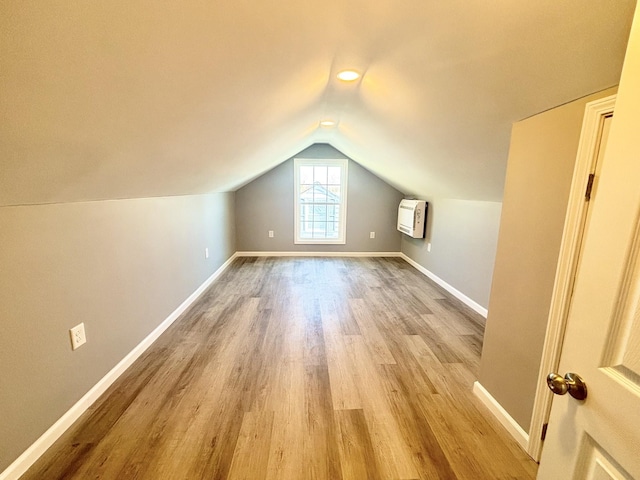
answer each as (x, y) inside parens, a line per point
(343, 163)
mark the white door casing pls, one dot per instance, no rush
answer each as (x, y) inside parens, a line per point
(593, 137)
(599, 438)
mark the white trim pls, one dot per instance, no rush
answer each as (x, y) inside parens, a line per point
(452, 290)
(594, 115)
(343, 163)
(31, 454)
(317, 254)
(516, 431)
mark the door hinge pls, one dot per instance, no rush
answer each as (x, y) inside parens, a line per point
(544, 431)
(587, 194)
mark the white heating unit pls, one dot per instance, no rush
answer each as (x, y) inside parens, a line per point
(412, 217)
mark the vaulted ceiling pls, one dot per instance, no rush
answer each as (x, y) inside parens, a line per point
(121, 99)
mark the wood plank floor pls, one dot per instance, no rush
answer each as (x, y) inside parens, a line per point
(300, 368)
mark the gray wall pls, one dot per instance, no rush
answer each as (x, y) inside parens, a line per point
(267, 204)
(463, 236)
(121, 267)
(539, 173)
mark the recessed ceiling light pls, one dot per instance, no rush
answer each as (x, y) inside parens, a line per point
(348, 75)
(327, 123)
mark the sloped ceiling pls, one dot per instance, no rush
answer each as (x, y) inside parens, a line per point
(120, 99)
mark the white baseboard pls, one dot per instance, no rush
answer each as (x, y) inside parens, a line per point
(31, 454)
(452, 290)
(318, 254)
(502, 415)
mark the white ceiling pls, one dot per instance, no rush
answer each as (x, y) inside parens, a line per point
(120, 99)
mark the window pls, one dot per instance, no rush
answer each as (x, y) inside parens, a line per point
(320, 200)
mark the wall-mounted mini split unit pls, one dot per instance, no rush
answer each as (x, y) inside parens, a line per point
(412, 217)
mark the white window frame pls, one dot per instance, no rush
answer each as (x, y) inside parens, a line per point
(342, 230)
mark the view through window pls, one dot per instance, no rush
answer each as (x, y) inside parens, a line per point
(320, 200)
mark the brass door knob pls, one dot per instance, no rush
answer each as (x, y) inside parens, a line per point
(571, 382)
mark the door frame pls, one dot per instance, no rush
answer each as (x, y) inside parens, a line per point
(590, 135)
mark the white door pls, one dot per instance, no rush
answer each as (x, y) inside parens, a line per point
(599, 438)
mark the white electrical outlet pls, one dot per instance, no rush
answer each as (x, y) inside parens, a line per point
(270, 233)
(429, 247)
(206, 253)
(78, 337)
(372, 234)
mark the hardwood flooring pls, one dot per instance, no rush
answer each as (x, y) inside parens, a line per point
(300, 368)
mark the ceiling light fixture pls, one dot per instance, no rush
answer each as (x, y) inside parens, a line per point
(348, 75)
(327, 123)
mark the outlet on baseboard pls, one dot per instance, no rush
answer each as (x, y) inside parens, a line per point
(78, 336)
